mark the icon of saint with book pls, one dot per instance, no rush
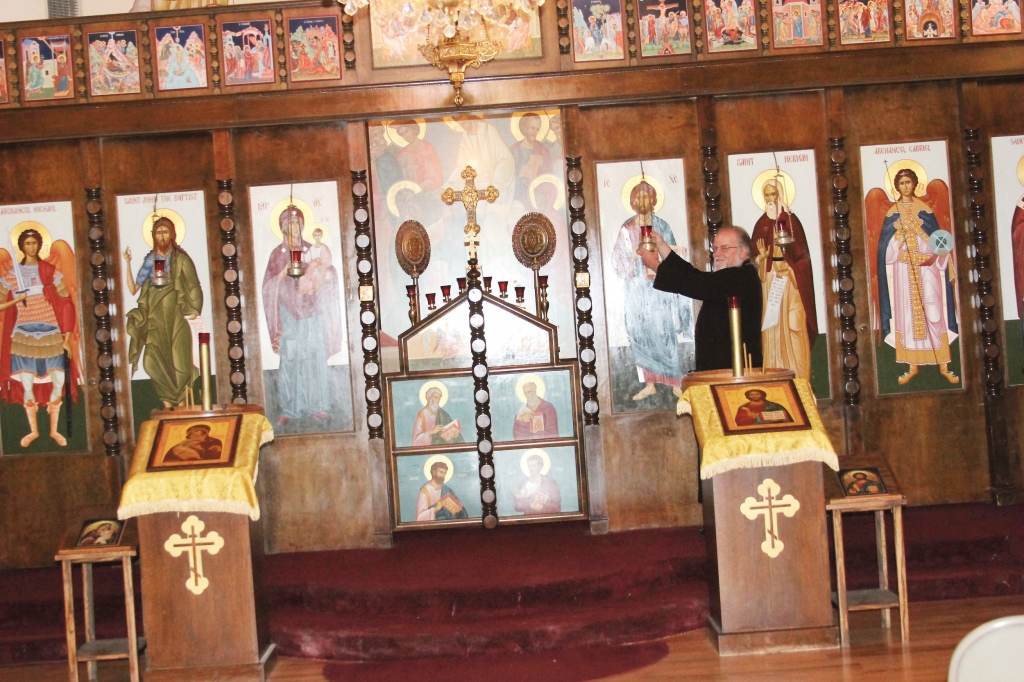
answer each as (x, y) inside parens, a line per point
(436, 501)
(434, 426)
(537, 418)
(538, 493)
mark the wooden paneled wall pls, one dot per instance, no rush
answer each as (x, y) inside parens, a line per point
(318, 491)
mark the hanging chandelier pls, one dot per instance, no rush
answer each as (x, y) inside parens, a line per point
(457, 30)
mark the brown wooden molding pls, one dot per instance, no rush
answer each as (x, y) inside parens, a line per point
(595, 86)
(101, 313)
(368, 314)
(1001, 472)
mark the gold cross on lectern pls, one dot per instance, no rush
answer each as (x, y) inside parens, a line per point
(771, 505)
(195, 545)
(470, 196)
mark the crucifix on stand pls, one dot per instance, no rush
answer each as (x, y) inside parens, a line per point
(470, 196)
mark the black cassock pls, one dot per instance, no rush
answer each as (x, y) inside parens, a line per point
(711, 333)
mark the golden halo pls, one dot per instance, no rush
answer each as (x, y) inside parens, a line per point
(427, 385)
(530, 453)
(392, 136)
(1020, 170)
(395, 189)
(551, 137)
(322, 228)
(542, 388)
(179, 225)
(307, 217)
(633, 182)
(789, 187)
(545, 125)
(44, 248)
(438, 458)
(890, 176)
(455, 125)
(540, 180)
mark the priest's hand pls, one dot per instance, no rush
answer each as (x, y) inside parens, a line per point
(660, 245)
(649, 258)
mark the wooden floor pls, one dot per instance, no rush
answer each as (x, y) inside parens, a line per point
(936, 628)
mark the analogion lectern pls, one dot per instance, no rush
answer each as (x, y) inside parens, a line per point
(191, 485)
(762, 449)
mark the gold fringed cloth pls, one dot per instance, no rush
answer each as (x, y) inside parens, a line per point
(721, 453)
(217, 489)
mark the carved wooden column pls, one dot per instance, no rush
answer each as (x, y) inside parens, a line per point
(564, 26)
(367, 306)
(232, 292)
(1001, 472)
(709, 166)
(348, 41)
(592, 438)
(101, 313)
(481, 397)
(846, 307)
(12, 60)
(844, 271)
(282, 43)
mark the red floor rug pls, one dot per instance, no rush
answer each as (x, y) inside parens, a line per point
(522, 594)
(565, 665)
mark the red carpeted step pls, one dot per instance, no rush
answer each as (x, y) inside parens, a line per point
(564, 665)
(336, 636)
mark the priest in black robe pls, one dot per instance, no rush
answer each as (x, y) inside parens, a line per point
(734, 275)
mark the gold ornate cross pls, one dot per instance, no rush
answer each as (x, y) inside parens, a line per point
(195, 545)
(470, 196)
(771, 505)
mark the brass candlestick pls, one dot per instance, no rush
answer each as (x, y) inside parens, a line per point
(736, 335)
(542, 286)
(204, 369)
(412, 291)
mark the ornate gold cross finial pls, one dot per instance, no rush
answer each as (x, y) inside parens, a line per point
(194, 544)
(470, 196)
(770, 505)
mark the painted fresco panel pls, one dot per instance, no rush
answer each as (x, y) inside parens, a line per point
(650, 333)
(773, 191)
(302, 332)
(1008, 182)
(41, 344)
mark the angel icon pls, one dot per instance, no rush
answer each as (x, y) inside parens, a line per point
(39, 362)
(914, 275)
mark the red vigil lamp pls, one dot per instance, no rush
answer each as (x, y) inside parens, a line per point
(487, 284)
(159, 277)
(503, 289)
(646, 238)
(446, 292)
(543, 280)
(520, 296)
(461, 281)
(431, 301)
(295, 267)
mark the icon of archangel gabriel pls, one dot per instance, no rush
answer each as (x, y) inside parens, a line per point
(913, 269)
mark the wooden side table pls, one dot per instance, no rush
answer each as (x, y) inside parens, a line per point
(93, 649)
(883, 598)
